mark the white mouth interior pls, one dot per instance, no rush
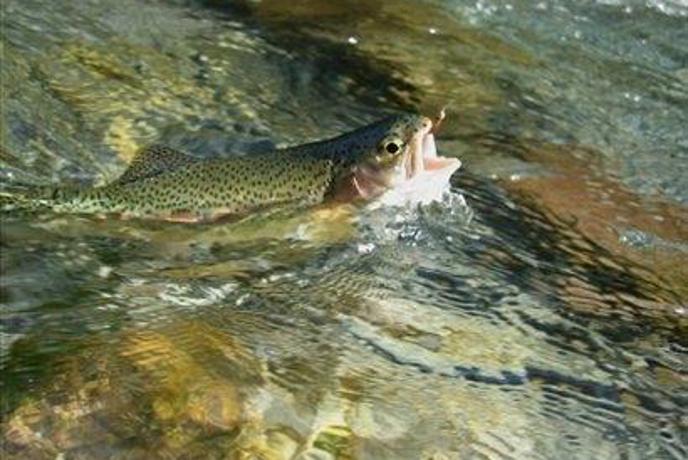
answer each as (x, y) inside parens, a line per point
(429, 159)
(422, 155)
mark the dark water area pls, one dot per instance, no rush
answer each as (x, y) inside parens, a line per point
(540, 310)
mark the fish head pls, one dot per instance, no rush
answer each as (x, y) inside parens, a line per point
(398, 154)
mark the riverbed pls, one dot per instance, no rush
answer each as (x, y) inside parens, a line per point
(539, 310)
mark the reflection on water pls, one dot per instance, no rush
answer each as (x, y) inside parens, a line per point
(539, 311)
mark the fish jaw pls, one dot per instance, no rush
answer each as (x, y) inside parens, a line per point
(420, 178)
(424, 187)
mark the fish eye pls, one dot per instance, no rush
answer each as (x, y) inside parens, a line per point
(392, 147)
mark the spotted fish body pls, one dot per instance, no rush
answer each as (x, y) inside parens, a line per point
(167, 184)
(206, 190)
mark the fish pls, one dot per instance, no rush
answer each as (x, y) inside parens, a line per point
(387, 161)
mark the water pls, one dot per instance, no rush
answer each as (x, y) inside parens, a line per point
(539, 311)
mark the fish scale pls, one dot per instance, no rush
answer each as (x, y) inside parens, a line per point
(168, 184)
(233, 186)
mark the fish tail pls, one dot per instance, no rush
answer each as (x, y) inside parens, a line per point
(23, 199)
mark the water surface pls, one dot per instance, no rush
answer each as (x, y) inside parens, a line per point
(538, 311)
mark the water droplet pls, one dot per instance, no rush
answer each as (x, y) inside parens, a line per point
(366, 248)
(241, 300)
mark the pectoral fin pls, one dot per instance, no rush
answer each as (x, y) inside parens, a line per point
(154, 160)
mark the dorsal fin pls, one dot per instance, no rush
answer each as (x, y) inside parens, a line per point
(154, 160)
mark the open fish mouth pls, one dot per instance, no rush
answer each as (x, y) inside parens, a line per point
(422, 155)
(420, 175)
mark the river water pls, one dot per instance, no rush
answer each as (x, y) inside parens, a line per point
(539, 311)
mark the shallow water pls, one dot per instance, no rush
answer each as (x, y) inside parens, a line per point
(538, 311)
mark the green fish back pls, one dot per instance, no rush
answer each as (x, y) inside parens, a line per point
(208, 189)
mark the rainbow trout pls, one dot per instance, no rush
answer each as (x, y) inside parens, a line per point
(396, 155)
